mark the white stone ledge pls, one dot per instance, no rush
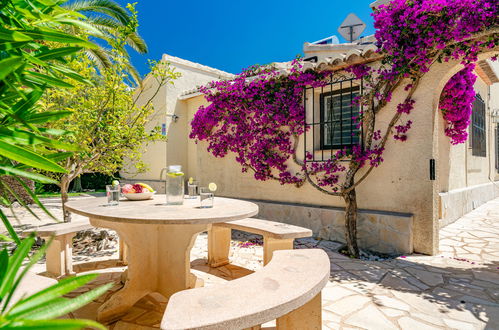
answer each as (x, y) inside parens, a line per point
(458, 202)
(381, 231)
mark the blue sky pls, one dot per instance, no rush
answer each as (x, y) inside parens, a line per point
(231, 35)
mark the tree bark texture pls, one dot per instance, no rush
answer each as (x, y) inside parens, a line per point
(351, 222)
(65, 197)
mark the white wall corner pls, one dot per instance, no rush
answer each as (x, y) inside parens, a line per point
(377, 3)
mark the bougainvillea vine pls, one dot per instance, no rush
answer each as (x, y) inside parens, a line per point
(456, 103)
(259, 115)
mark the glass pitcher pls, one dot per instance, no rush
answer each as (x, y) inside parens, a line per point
(174, 185)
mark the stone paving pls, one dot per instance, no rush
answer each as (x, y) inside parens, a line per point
(457, 289)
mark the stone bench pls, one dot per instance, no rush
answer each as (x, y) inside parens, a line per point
(288, 289)
(59, 256)
(276, 236)
(30, 284)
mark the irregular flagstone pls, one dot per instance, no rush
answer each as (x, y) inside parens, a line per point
(411, 324)
(371, 274)
(459, 324)
(384, 301)
(348, 305)
(335, 293)
(447, 294)
(415, 292)
(330, 317)
(486, 276)
(392, 281)
(417, 283)
(419, 302)
(467, 290)
(370, 318)
(438, 321)
(390, 312)
(475, 300)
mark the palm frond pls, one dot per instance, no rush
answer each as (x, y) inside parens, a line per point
(107, 7)
(137, 43)
(110, 25)
(102, 22)
(99, 56)
(134, 73)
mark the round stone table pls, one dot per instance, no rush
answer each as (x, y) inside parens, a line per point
(159, 239)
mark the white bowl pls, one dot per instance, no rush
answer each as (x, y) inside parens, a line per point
(139, 196)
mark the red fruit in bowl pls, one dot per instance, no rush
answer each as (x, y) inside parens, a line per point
(138, 188)
(128, 189)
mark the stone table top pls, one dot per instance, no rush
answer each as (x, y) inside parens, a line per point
(154, 211)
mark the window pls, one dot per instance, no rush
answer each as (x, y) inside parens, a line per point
(329, 123)
(478, 128)
(338, 128)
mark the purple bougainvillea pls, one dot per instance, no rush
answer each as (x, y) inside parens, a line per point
(456, 103)
(259, 115)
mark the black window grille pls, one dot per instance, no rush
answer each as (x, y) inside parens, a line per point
(478, 128)
(338, 129)
(330, 113)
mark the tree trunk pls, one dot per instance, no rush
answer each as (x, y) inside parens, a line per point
(65, 197)
(351, 222)
(77, 184)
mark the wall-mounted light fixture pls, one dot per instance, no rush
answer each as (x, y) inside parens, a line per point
(174, 117)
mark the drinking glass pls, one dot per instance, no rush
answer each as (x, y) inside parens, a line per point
(113, 194)
(192, 189)
(206, 197)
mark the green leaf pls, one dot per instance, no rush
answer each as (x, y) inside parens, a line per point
(33, 260)
(86, 27)
(58, 156)
(44, 117)
(10, 229)
(29, 158)
(47, 295)
(5, 45)
(51, 35)
(24, 105)
(57, 53)
(6, 187)
(11, 170)
(35, 199)
(9, 35)
(29, 138)
(9, 65)
(43, 79)
(15, 263)
(5, 239)
(4, 262)
(71, 74)
(65, 324)
(59, 306)
(54, 131)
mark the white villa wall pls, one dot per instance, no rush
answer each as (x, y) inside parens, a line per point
(400, 205)
(401, 171)
(158, 154)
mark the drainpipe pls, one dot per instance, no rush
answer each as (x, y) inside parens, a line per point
(466, 150)
(491, 135)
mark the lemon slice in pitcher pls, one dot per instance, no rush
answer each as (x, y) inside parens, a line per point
(212, 186)
(175, 174)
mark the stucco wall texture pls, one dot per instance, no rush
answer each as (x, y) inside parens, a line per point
(400, 188)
